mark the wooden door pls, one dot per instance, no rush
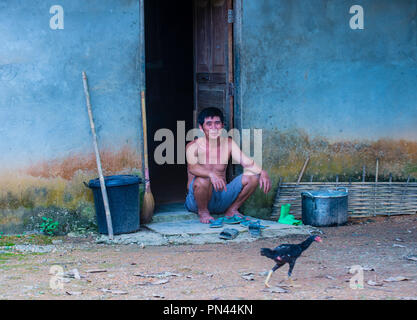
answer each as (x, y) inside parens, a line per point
(213, 57)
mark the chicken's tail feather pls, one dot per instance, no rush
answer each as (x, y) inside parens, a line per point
(267, 252)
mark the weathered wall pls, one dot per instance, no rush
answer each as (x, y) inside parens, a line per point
(46, 148)
(318, 88)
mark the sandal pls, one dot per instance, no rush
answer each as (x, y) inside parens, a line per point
(232, 220)
(235, 219)
(255, 229)
(228, 234)
(217, 223)
(248, 222)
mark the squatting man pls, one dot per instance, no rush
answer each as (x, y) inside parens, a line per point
(207, 160)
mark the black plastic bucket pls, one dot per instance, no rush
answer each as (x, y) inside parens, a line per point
(325, 208)
(124, 203)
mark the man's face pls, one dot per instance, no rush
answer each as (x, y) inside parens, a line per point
(212, 127)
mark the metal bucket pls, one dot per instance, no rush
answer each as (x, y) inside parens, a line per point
(325, 208)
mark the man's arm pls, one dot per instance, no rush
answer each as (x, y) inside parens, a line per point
(248, 164)
(250, 167)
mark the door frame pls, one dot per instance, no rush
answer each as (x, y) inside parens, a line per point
(230, 64)
(236, 54)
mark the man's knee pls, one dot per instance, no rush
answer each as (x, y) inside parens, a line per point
(201, 183)
(251, 180)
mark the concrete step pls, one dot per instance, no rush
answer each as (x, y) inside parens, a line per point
(172, 224)
(193, 232)
(171, 212)
(170, 216)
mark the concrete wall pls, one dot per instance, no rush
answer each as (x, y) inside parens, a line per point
(46, 148)
(318, 88)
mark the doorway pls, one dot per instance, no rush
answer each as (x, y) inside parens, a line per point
(187, 52)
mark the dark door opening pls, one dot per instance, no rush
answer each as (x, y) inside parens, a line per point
(169, 87)
(188, 49)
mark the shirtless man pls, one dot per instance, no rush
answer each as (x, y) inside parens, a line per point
(207, 159)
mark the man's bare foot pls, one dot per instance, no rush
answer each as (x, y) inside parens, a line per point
(231, 213)
(205, 217)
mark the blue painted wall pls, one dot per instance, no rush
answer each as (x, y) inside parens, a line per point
(42, 104)
(318, 88)
(46, 148)
(343, 97)
(302, 66)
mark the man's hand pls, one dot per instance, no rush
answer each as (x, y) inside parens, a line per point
(218, 183)
(264, 182)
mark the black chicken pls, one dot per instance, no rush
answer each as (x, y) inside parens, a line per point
(287, 253)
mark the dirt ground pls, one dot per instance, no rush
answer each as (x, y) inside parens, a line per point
(385, 247)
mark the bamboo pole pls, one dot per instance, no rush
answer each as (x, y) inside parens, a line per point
(302, 170)
(100, 171)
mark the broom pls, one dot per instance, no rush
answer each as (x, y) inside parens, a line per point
(148, 204)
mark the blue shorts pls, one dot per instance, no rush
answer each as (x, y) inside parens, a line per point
(220, 200)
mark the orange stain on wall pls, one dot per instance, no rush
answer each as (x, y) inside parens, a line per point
(112, 162)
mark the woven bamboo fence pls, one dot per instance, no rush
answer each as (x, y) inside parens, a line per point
(364, 198)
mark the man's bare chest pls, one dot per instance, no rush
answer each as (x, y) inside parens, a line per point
(213, 156)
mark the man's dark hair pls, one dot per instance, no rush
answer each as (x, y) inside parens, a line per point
(210, 113)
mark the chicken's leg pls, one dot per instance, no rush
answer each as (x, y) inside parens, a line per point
(267, 278)
(292, 264)
(290, 282)
(270, 274)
